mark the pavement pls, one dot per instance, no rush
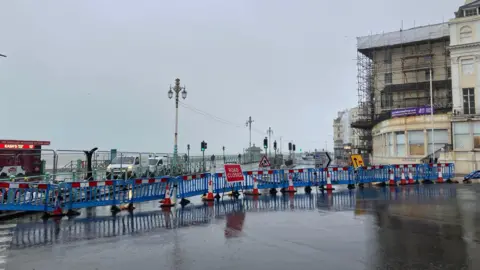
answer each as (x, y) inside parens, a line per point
(417, 227)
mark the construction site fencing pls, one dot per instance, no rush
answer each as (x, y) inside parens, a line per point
(72, 165)
(45, 196)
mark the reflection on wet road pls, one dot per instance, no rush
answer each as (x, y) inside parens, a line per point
(422, 227)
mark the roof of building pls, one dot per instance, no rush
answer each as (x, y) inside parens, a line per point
(475, 3)
(468, 5)
(416, 34)
(2, 141)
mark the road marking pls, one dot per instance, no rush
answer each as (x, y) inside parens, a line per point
(6, 237)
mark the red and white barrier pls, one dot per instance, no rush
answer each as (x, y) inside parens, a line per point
(111, 182)
(14, 185)
(259, 172)
(194, 176)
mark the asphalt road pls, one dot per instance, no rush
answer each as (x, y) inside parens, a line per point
(422, 227)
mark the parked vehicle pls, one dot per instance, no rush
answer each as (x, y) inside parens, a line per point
(475, 175)
(127, 167)
(157, 166)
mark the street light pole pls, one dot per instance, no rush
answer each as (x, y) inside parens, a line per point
(269, 132)
(223, 154)
(249, 125)
(431, 114)
(177, 88)
(188, 157)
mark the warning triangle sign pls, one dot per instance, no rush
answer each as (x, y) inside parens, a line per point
(264, 162)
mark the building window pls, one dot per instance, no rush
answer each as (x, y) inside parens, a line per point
(470, 12)
(461, 136)
(386, 100)
(427, 75)
(388, 56)
(388, 78)
(400, 136)
(467, 66)
(416, 143)
(468, 100)
(476, 135)
(389, 144)
(465, 34)
(440, 137)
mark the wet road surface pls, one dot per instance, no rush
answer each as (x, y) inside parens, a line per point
(421, 227)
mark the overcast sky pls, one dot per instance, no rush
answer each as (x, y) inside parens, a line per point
(96, 73)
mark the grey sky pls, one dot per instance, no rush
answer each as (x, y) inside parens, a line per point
(108, 64)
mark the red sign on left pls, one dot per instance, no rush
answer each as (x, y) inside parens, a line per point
(233, 173)
(16, 146)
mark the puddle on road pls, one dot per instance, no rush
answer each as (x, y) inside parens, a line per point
(406, 228)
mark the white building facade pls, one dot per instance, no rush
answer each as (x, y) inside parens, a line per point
(344, 137)
(465, 63)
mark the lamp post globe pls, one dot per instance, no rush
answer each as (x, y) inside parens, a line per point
(184, 94)
(170, 94)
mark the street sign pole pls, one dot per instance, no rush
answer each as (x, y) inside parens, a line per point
(322, 159)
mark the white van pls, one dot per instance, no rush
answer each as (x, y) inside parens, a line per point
(127, 167)
(157, 166)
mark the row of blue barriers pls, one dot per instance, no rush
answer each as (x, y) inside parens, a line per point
(74, 195)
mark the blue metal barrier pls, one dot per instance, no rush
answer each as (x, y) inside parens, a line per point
(26, 197)
(342, 175)
(300, 177)
(193, 185)
(111, 192)
(372, 174)
(265, 179)
(74, 195)
(431, 171)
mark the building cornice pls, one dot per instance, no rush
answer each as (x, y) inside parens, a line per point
(464, 19)
(464, 46)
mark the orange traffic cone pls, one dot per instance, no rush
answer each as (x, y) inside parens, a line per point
(290, 184)
(403, 181)
(209, 196)
(410, 177)
(440, 175)
(329, 182)
(167, 202)
(254, 192)
(392, 179)
(58, 211)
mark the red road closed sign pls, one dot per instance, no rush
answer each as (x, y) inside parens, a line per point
(233, 173)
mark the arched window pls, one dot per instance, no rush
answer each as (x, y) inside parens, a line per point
(465, 34)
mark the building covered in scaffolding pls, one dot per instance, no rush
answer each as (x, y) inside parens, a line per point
(394, 123)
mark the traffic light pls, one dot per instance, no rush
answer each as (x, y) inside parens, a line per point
(275, 145)
(203, 145)
(294, 148)
(265, 143)
(289, 146)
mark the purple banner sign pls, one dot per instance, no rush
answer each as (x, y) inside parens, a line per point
(411, 111)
